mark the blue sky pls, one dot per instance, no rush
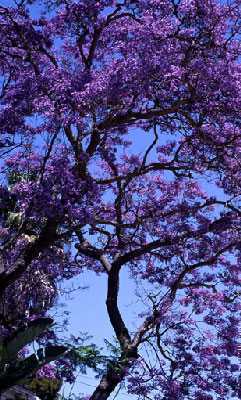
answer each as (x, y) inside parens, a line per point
(88, 314)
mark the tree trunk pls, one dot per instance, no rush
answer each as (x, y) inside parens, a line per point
(108, 383)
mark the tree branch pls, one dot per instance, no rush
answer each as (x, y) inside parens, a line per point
(32, 251)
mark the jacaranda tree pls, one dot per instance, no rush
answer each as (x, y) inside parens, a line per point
(82, 85)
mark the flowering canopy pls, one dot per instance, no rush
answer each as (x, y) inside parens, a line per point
(82, 86)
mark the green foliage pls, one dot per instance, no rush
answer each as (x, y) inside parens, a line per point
(45, 389)
(16, 177)
(14, 219)
(87, 357)
(20, 370)
(113, 349)
(13, 369)
(10, 348)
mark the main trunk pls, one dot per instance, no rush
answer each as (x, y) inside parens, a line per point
(108, 384)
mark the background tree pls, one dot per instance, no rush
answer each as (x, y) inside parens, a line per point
(81, 85)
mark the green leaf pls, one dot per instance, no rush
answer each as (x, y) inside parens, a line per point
(11, 347)
(21, 370)
(14, 219)
(46, 389)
